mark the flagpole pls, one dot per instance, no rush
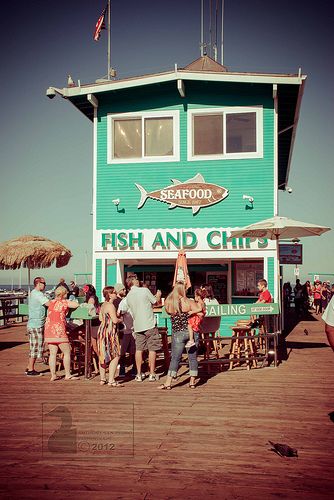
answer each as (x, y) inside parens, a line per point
(222, 35)
(109, 41)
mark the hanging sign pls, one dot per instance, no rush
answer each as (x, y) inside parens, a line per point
(194, 193)
(241, 309)
(290, 254)
(237, 310)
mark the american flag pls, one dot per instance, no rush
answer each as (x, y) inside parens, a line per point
(100, 25)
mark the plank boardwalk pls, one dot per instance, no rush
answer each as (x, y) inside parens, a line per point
(137, 442)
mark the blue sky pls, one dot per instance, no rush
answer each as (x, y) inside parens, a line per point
(46, 145)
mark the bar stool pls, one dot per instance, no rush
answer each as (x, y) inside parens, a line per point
(242, 342)
(210, 328)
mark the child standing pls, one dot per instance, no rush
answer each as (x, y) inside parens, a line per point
(264, 296)
(195, 320)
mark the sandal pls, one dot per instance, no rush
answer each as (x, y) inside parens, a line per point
(72, 377)
(115, 384)
(192, 386)
(103, 382)
(54, 379)
(164, 387)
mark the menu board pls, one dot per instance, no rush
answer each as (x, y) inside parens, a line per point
(150, 280)
(246, 277)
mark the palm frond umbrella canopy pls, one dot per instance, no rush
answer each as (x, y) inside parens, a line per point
(33, 252)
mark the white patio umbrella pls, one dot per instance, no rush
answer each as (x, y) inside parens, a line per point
(279, 227)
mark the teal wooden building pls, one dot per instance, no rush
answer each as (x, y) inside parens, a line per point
(181, 158)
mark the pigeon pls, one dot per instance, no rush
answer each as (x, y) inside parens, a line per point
(283, 450)
(306, 331)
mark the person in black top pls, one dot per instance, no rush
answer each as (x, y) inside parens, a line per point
(62, 283)
(74, 289)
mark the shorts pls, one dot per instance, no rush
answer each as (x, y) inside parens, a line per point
(36, 340)
(128, 344)
(148, 340)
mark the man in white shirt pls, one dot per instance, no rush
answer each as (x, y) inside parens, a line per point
(328, 318)
(140, 301)
(35, 327)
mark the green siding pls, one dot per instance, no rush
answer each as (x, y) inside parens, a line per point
(98, 281)
(271, 275)
(111, 275)
(251, 176)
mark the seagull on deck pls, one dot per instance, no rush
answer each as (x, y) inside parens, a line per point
(70, 81)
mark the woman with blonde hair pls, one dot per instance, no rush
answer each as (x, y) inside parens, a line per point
(108, 345)
(55, 332)
(180, 308)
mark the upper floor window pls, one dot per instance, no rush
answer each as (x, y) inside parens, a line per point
(143, 137)
(231, 132)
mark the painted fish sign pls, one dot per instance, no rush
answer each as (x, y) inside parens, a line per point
(194, 193)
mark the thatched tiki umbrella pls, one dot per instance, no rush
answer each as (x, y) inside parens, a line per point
(33, 252)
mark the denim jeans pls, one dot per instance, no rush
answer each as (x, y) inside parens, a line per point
(179, 340)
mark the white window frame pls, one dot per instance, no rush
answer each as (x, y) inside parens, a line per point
(174, 114)
(258, 110)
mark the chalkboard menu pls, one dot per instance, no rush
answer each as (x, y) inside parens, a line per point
(219, 286)
(147, 279)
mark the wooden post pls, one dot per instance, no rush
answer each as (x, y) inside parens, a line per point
(88, 368)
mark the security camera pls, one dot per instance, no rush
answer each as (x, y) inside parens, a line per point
(116, 202)
(247, 197)
(51, 93)
(289, 190)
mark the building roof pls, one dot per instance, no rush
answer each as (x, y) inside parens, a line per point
(289, 89)
(205, 63)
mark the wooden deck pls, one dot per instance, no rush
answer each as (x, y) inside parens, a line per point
(141, 443)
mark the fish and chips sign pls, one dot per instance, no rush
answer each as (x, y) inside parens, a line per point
(194, 193)
(175, 239)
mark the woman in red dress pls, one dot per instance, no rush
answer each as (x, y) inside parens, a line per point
(55, 332)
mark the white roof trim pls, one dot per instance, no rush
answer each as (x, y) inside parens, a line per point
(181, 75)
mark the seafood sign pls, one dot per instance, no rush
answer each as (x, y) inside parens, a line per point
(194, 193)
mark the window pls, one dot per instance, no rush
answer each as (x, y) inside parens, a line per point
(231, 132)
(240, 132)
(143, 137)
(208, 134)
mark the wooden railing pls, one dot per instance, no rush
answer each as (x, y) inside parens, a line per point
(10, 308)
